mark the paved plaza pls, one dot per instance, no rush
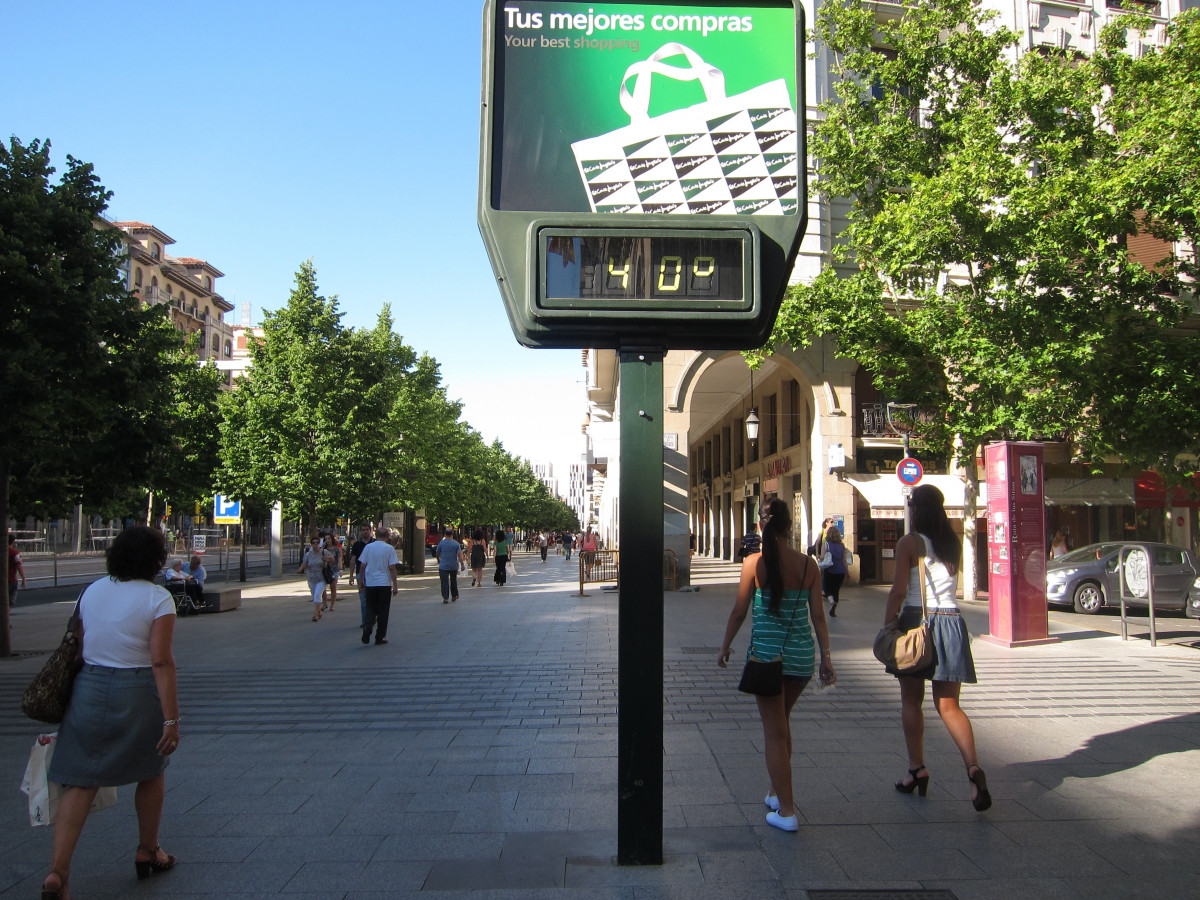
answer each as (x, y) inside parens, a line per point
(475, 756)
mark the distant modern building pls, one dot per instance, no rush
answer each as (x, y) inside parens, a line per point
(545, 474)
(186, 284)
(577, 491)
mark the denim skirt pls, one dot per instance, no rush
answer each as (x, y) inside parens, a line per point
(952, 660)
(111, 729)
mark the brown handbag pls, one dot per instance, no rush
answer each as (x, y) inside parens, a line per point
(48, 694)
(906, 652)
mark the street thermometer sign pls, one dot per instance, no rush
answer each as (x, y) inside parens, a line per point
(643, 169)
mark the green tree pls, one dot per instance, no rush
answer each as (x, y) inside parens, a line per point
(982, 272)
(287, 424)
(86, 369)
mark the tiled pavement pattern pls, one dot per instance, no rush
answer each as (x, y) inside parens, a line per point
(474, 755)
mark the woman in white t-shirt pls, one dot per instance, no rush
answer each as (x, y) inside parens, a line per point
(122, 723)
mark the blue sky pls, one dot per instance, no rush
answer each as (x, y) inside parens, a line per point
(260, 134)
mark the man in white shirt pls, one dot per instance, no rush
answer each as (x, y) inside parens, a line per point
(379, 562)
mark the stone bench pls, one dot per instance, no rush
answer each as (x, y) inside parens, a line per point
(221, 600)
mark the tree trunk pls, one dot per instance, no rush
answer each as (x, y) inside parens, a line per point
(970, 533)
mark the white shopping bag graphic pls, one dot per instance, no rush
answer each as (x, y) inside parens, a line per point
(728, 155)
(43, 794)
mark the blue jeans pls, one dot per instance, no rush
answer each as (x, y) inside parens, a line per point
(449, 582)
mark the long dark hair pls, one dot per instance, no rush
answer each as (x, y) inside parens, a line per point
(776, 524)
(929, 518)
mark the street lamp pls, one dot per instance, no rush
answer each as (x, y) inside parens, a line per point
(752, 424)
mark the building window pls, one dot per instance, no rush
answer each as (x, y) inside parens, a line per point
(216, 341)
(793, 413)
(228, 348)
(182, 297)
(137, 277)
(170, 290)
(155, 251)
(771, 425)
(208, 282)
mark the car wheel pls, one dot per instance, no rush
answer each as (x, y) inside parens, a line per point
(1088, 598)
(1191, 608)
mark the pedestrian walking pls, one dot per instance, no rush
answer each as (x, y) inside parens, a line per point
(500, 548)
(366, 534)
(16, 569)
(1058, 545)
(313, 565)
(933, 541)
(379, 564)
(817, 548)
(122, 722)
(783, 587)
(449, 555)
(478, 557)
(568, 542)
(751, 542)
(333, 546)
(588, 545)
(543, 543)
(835, 562)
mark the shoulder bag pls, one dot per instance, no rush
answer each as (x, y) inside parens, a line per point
(765, 676)
(906, 652)
(48, 694)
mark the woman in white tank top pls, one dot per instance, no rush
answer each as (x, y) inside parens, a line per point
(933, 539)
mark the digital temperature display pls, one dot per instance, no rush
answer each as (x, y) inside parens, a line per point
(670, 270)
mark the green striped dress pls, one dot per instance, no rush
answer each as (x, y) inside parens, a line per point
(767, 638)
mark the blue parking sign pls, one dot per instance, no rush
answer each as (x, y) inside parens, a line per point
(226, 511)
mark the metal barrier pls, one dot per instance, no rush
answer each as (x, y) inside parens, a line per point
(670, 570)
(1136, 577)
(597, 566)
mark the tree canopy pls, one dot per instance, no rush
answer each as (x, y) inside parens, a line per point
(985, 271)
(87, 370)
(340, 422)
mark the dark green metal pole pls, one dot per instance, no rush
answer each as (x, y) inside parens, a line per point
(640, 628)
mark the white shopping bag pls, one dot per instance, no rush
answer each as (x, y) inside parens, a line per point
(43, 794)
(728, 155)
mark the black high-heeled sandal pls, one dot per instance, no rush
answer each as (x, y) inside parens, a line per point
(920, 785)
(145, 866)
(54, 893)
(983, 797)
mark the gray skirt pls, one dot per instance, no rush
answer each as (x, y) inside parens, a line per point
(111, 729)
(952, 660)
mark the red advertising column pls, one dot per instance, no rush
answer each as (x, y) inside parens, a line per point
(1016, 545)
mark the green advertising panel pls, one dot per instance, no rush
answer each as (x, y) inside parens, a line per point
(642, 169)
(656, 108)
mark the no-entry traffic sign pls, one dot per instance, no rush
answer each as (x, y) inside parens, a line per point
(910, 471)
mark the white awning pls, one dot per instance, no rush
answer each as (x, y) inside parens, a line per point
(885, 496)
(1089, 491)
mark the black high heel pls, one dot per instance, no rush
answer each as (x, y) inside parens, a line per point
(983, 797)
(145, 866)
(920, 785)
(54, 893)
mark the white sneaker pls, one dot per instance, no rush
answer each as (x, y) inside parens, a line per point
(784, 823)
(772, 802)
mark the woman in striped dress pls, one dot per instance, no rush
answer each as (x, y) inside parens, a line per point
(784, 587)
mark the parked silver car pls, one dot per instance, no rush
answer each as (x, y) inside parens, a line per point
(1089, 579)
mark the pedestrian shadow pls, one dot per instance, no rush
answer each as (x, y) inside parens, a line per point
(1119, 751)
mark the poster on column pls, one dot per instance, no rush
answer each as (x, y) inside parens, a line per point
(685, 109)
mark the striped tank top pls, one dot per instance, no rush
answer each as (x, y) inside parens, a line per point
(767, 639)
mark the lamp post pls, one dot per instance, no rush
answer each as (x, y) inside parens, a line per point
(904, 427)
(752, 425)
